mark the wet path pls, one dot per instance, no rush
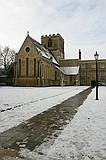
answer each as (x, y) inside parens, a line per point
(33, 132)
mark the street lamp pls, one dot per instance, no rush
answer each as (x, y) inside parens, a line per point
(96, 59)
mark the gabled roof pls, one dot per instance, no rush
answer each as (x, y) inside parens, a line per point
(44, 51)
(70, 70)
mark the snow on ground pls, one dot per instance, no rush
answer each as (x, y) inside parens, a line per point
(84, 138)
(18, 104)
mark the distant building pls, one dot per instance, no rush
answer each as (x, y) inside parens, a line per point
(44, 64)
(3, 77)
(87, 71)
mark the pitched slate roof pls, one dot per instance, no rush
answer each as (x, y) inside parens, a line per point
(44, 51)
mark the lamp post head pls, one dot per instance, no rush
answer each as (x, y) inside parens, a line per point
(96, 56)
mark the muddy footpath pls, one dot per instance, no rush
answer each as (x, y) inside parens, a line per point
(34, 131)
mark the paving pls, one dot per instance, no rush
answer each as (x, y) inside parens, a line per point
(33, 132)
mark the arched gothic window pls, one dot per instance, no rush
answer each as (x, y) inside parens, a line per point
(26, 67)
(34, 66)
(19, 67)
(49, 43)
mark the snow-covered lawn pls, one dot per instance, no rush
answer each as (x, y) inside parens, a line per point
(84, 138)
(18, 104)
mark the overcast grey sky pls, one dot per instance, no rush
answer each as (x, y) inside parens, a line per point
(82, 24)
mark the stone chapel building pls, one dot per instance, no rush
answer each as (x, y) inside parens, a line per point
(45, 64)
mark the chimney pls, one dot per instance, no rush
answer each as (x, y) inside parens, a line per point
(79, 54)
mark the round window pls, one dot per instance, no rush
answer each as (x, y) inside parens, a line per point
(27, 49)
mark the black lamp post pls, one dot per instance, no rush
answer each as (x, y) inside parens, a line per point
(96, 59)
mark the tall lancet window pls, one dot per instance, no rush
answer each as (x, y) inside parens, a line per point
(19, 67)
(49, 43)
(34, 66)
(26, 67)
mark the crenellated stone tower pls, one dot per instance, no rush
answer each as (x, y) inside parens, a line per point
(55, 43)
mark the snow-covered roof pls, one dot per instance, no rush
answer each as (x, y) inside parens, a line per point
(44, 52)
(70, 70)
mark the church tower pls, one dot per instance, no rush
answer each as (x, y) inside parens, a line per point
(55, 43)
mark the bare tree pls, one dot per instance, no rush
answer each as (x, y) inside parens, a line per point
(7, 56)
